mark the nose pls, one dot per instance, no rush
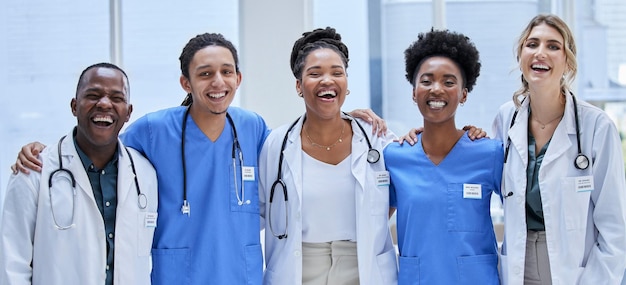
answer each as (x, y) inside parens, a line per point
(218, 80)
(326, 79)
(104, 102)
(541, 52)
(436, 87)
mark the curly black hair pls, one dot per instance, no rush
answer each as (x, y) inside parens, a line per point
(197, 43)
(452, 45)
(316, 39)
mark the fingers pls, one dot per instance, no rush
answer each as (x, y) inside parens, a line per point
(379, 126)
(27, 159)
(410, 137)
(474, 133)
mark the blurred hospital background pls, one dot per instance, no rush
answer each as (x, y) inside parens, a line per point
(44, 45)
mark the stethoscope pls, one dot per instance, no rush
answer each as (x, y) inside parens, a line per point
(581, 161)
(241, 199)
(373, 156)
(142, 199)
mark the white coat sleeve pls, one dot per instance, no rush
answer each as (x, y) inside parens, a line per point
(607, 258)
(18, 228)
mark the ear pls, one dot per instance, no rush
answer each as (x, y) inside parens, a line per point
(464, 96)
(185, 84)
(298, 86)
(239, 79)
(130, 110)
(414, 97)
(73, 106)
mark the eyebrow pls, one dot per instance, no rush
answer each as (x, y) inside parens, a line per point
(550, 41)
(449, 75)
(209, 65)
(97, 89)
(317, 66)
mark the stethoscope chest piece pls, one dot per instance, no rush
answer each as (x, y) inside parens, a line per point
(373, 155)
(581, 162)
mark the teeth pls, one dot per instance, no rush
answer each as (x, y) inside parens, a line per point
(436, 104)
(327, 92)
(217, 95)
(103, 119)
(540, 66)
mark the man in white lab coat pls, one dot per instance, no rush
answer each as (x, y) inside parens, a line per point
(88, 217)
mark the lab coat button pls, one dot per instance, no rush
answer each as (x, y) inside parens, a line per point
(296, 253)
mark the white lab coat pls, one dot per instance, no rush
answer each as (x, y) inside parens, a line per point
(585, 231)
(375, 251)
(76, 255)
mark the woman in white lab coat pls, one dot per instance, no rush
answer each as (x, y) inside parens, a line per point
(332, 226)
(564, 213)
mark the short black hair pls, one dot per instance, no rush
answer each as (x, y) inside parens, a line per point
(452, 45)
(313, 40)
(102, 65)
(201, 41)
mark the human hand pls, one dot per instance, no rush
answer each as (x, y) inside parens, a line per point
(411, 136)
(474, 132)
(27, 158)
(379, 126)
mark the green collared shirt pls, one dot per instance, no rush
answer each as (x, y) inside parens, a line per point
(104, 185)
(534, 208)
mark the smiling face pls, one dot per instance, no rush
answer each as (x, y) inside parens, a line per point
(542, 57)
(213, 79)
(101, 107)
(323, 83)
(438, 89)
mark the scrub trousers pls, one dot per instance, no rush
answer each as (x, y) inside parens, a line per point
(330, 263)
(537, 265)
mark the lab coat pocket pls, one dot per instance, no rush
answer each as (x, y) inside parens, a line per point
(170, 266)
(379, 195)
(469, 213)
(575, 204)
(244, 192)
(409, 273)
(478, 269)
(146, 222)
(387, 266)
(254, 264)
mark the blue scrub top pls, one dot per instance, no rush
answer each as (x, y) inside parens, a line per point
(218, 243)
(444, 238)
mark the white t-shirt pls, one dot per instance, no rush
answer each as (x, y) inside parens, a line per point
(328, 201)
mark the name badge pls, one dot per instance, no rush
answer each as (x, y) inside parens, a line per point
(472, 191)
(150, 219)
(382, 178)
(584, 184)
(247, 173)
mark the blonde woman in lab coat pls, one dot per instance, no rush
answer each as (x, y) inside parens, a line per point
(563, 177)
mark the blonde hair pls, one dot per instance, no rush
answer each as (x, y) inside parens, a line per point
(570, 52)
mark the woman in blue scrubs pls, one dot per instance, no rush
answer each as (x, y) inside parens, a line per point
(442, 185)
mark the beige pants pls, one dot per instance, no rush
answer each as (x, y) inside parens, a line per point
(537, 267)
(330, 263)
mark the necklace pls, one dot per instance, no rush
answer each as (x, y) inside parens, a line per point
(327, 147)
(543, 126)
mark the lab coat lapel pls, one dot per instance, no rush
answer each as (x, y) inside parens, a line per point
(359, 154)
(519, 134)
(125, 175)
(293, 160)
(72, 162)
(564, 135)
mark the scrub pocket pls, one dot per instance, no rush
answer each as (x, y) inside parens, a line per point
(171, 266)
(250, 194)
(409, 273)
(467, 214)
(478, 269)
(254, 264)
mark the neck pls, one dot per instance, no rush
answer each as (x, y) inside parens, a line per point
(210, 124)
(438, 139)
(99, 155)
(324, 132)
(547, 104)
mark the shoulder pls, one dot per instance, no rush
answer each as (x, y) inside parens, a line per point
(159, 118)
(245, 116)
